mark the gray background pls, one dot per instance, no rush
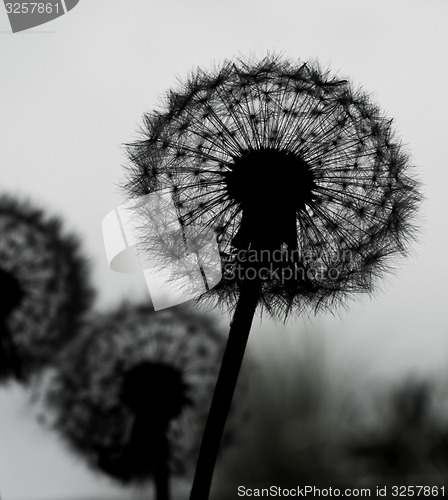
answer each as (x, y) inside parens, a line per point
(72, 91)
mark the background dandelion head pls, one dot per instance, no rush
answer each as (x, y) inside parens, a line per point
(44, 284)
(136, 365)
(281, 156)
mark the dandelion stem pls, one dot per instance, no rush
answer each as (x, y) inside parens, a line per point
(225, 387)
(161, 472)
(150, 442)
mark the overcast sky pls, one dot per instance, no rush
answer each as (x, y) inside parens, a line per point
(73, 91)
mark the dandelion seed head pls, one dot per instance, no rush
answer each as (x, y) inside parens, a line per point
(134, 364)
(276, 154)
(44, 284)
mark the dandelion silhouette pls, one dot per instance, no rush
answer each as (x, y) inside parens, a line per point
(44, 287)
(301, 178)
(133, 392)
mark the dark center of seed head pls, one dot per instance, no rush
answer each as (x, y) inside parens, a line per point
(154, 391)
(11, 293)
(270, 186)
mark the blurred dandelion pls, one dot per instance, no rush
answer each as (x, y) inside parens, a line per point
(44, 288)
(301, 178)
(133, 392)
